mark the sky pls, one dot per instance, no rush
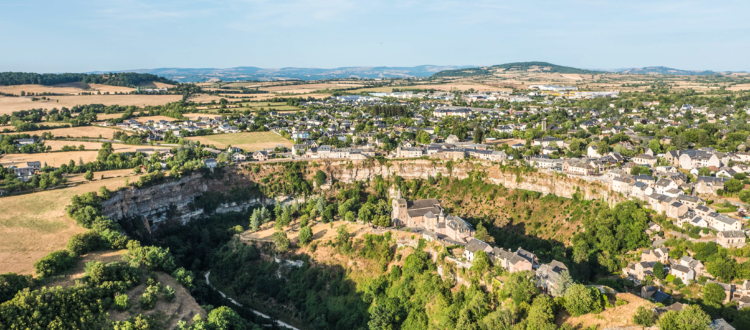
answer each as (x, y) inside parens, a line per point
(91, 35)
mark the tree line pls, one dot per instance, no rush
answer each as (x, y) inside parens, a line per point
(127, 79)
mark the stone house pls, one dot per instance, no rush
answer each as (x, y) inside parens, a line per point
(405, 152)
(521, 260)
(683, 273)
(640, 270)
(709, 184)
(731, 239)
(260, 155)
(591, 151)
(577, 167)
(722, 222)
(645, 159)
(693, 264)
(238, 157)
(473, 246)
(690, 159)
(660, 255)
(547, 275)
(623, 185)
(663, 185)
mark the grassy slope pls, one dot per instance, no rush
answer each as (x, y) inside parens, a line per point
(33, 225)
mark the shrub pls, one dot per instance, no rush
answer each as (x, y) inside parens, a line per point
(305, 235)
(168, 293)
(11, 283)
(54, 263)
(153, 279)
(97, 273)
(149, 297)
(281, 241)
(644, 317)
(154, 258)
(84, 243)
(581, 300)
(122, 303)
(184, 277)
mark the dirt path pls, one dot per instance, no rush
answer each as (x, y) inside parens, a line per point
(283, 324)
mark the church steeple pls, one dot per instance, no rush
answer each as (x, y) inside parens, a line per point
(398, 194)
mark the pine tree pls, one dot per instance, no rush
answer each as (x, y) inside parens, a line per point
(321, 205)
(264, 216)
(564, 282)
(255, 220)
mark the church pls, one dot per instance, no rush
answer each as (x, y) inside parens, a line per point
(429, 214)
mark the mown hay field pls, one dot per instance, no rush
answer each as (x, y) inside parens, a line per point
(69, 88)
(94, 132)
(119, 147)
(33, 225)
(248, 141)
(10, 104)
(54, 159)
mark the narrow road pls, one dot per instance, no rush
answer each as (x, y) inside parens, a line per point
(283, 324)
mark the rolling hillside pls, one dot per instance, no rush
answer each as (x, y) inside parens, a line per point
(665, 71)
(516, 66)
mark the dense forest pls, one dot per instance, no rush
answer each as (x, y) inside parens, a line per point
(127, 79)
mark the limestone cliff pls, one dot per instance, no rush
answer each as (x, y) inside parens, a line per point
(171, 199)
(156, 201)
(544, 181)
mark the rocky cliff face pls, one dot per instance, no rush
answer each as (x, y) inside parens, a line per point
(171, 199)
(157, 201)
(546, 182)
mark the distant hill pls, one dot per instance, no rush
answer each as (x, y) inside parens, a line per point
(268, 74)
(517, 66)
(665, 71)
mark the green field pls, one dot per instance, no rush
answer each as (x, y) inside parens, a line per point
(280, 106)
(257, 106)
(248, 141)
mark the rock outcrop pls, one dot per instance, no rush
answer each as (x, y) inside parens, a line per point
(172, 199)
(544, 181)
(155, 202)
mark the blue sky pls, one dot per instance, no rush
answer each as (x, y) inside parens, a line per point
(89, 35)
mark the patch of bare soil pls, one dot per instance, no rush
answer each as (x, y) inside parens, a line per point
(182, 308)
(619, 316)
(78, 271)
